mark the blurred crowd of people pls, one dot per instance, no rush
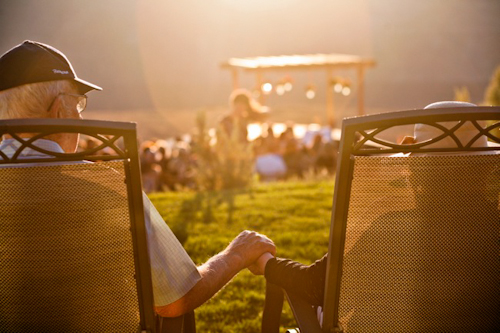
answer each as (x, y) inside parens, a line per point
(282, 156)
(275, 156)
(285, 156)
(165, 165)
(167, 168)
(171, 167)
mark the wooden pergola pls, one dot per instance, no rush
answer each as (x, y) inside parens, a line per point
(326, 62)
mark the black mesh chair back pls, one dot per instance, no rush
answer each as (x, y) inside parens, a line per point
(414, 242)
(73, 254)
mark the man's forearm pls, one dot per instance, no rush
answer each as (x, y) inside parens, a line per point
(244, 250)
(215, 273)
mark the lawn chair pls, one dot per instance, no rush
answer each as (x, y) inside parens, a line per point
(392, 265)
(73, 250)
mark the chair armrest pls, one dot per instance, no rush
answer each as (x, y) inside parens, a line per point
(181, 324)
(304, 314)
(272, 309)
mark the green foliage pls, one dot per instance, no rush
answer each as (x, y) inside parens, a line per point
(462, 94)
(227, 164)
(296, 215)
(492, 95)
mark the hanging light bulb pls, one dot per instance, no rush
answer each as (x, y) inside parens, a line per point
(280, 89)
(310, 94)
(310, 88)
(287, 83)
(266, 88)
(310, 91)
(346, 91)
(337, 87)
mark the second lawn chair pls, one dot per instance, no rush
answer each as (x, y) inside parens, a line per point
(414, 239)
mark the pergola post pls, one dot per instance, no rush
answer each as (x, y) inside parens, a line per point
(258, 79)
(361, 90)
(235, 75)
(330, 101)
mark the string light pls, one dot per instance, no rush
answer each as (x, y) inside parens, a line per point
(310, 91)
(310, 88)
(346, 91)
(341, 85)
(266, 88)
(280, 89)
(287, 83)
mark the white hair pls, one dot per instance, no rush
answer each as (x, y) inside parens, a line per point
(31, 100)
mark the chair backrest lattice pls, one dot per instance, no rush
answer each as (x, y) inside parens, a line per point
(417, 242)
(69, 249)
(420, 253)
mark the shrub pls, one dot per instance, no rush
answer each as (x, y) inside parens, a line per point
(492, 95)
(462, 94)
(226, 163)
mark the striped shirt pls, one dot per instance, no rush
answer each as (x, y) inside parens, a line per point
(173, 273)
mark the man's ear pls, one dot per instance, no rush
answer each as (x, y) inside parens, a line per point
(56, 109)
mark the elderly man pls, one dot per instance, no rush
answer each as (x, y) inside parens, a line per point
(38, 81)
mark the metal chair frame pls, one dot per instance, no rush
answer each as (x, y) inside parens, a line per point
(108, 133)
(357, 134)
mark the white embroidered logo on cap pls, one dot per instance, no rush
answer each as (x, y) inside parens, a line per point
(58, 71)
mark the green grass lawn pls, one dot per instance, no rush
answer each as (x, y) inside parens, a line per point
(295, 215)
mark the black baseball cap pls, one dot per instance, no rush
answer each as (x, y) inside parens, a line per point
(32, 62)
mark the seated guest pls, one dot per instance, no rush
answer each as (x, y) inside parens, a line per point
(270, 166)
(38, 81)
(244, 110)
(432, 215)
